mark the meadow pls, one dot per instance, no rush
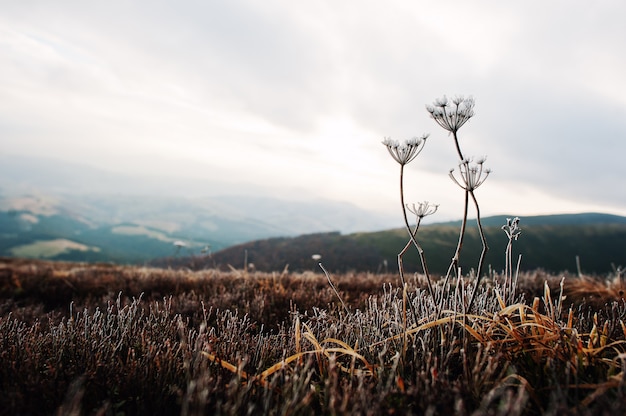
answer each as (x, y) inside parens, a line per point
(106, 340)
(103, 339)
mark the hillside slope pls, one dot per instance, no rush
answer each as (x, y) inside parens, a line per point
(549, 242)
(135, 228)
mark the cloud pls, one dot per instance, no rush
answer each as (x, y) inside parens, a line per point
(299, 96)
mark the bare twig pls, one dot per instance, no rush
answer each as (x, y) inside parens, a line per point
(330, 282)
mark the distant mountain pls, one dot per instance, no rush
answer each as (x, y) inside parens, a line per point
(57, 210)
(549, 242)
(134, 229)
(50, 209)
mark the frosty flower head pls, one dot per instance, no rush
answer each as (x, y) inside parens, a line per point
(472, 175)
(452, 116)
(511, 228)
(422, 209)
(407, 151)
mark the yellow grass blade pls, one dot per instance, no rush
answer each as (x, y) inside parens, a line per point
(311, 338)
(570, 318)
(338, 342)
(500, 301)
(604, 334)
(593, 337)
(547, 299)
(280, 365)
(522, 312)
(535, 306)
(474, 333)
(225, 364)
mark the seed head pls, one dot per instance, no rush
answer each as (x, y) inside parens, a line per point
(452, 116)
(512, 229)
(406, 152)
(472, 175)
(423, 209)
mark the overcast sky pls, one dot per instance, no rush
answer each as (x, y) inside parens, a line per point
(295, 97)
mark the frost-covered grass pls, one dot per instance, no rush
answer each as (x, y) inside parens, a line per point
(110, 339)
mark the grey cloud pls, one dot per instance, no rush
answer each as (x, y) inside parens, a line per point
(562, 142)
(546, 113)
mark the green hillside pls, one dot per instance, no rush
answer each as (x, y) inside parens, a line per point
(62, 237)
(136, 228)
(551, 243)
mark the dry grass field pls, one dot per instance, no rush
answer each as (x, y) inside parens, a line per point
(103, 339)
(99, 339)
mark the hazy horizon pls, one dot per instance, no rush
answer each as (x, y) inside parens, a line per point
(293, 99)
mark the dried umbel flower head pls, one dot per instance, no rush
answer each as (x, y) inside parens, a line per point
(406, 152)
(422, 209)
(511, 228)
(472, 175)
(452, 116)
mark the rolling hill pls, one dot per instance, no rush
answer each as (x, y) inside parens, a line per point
(136, 228)
(551, 242)
(58, 210)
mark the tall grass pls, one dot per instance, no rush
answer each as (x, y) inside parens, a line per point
(215, 345)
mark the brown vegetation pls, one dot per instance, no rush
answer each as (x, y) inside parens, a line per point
(87, 339)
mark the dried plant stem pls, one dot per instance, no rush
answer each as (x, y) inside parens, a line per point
(512, 230)
(401, 267)
(455, 259)
(509, 283)
(404, 323)
(508, 270)
(469, 191)
(514, 283)
(479, 272)
(330, 282)
(458, 148)
(454, 264)
(412, 238)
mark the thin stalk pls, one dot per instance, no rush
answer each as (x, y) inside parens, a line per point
(508, 268)
(330, 282)
(412, 236)
(479, 274)
(401, 265)
(458, 148)
(455, 259)
(404, 324)
(514, 284)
